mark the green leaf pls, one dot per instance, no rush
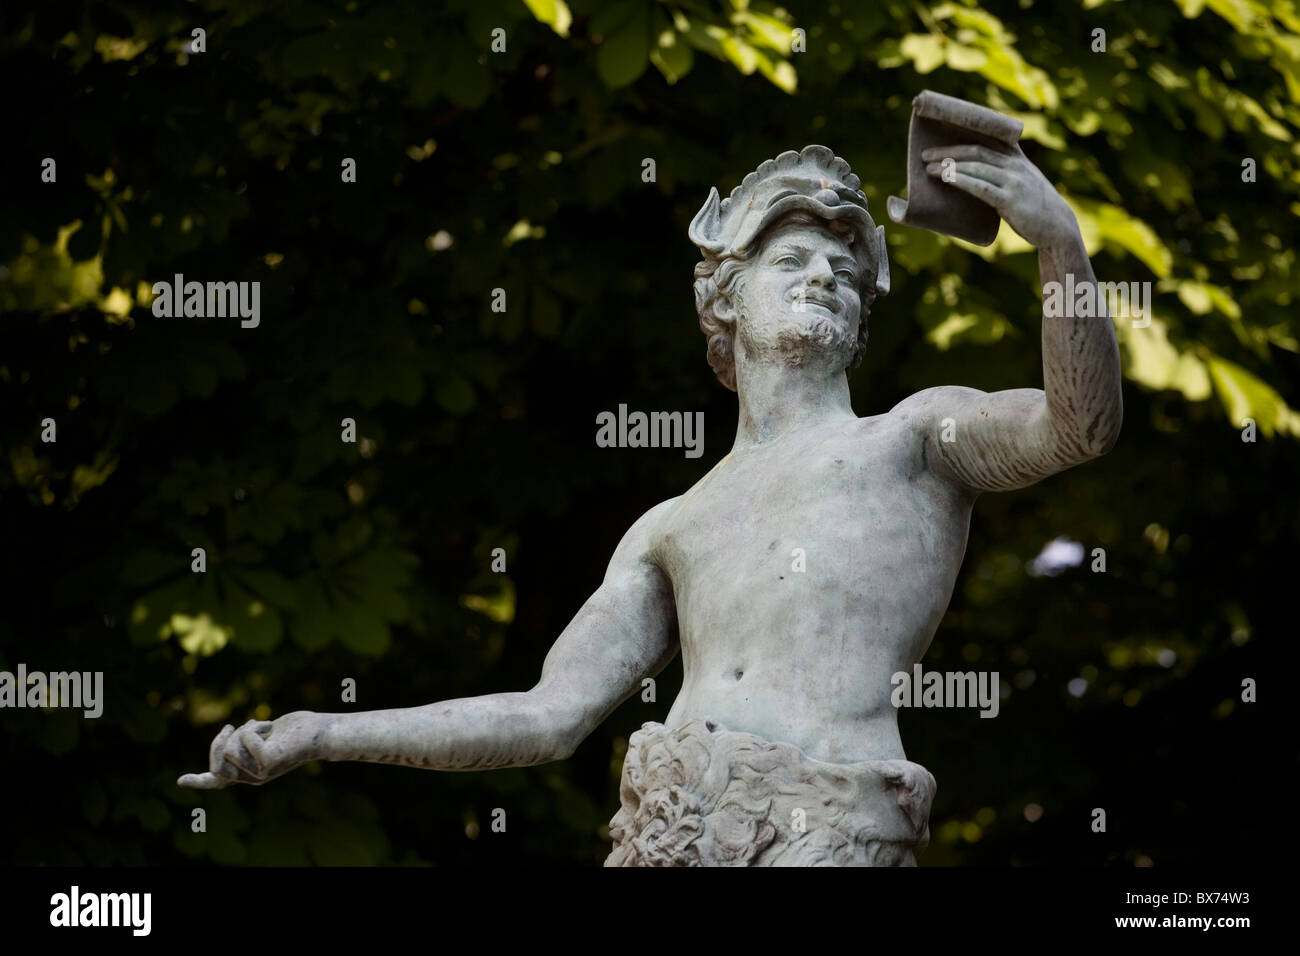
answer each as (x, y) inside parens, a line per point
(376, 579)
(268, 585)
(311, 626)
(781, 73)
(924, 50)
(1245, 396)
(976, 326)
(740, 53)
(554, 13)
(254, 624)
(199, 634)
(151, 614)
(622, 58)
(964, 58)
(1156, 363)
(674, 60)
(359, 629)
(612, 17)
(1101, 222)
(766, 29)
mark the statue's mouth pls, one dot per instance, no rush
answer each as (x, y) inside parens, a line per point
(830, 305)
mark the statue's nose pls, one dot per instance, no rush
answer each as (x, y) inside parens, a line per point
(822, 273)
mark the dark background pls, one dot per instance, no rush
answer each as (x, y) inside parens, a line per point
(371, 560)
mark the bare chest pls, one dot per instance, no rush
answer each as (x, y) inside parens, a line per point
(849, 507)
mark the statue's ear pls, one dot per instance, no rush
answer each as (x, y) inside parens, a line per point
(724, 309)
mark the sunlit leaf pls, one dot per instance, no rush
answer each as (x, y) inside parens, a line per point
(554, 13)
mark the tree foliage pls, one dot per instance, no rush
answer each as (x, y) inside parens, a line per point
(522, 170)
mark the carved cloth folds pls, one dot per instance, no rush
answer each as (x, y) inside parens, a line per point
(701, 795)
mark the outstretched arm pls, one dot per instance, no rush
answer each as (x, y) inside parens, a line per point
(626, 631)
(1004, 440)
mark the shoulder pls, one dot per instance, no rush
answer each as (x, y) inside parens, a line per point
(637, 542)
(651, 520)
(929, 406)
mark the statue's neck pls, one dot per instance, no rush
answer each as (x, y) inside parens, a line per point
(776, 399)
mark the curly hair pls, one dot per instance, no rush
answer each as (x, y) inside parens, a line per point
(725, 278)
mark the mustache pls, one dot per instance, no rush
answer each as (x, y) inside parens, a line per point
(817, 298)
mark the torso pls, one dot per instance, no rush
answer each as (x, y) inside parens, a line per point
(806, 656)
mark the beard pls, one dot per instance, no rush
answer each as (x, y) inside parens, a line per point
(812, 336)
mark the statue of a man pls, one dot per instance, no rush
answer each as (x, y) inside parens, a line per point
(811, 564)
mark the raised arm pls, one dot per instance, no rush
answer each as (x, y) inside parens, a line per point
(626, 631)
(998, 441)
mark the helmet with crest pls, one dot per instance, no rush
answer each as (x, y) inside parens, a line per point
(811, 183)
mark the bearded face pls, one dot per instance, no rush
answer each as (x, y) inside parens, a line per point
(799, 299)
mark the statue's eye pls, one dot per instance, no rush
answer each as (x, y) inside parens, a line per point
(787, 258)
(848, 275)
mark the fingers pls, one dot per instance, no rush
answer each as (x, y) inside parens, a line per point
(990, 174)
(221, 766)
(979, 188)
(216, 753)
(248, 752)
(217, 765)
(203, 781)
(972, 151)
(240, 756)
(236, 756)
(256, 750)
